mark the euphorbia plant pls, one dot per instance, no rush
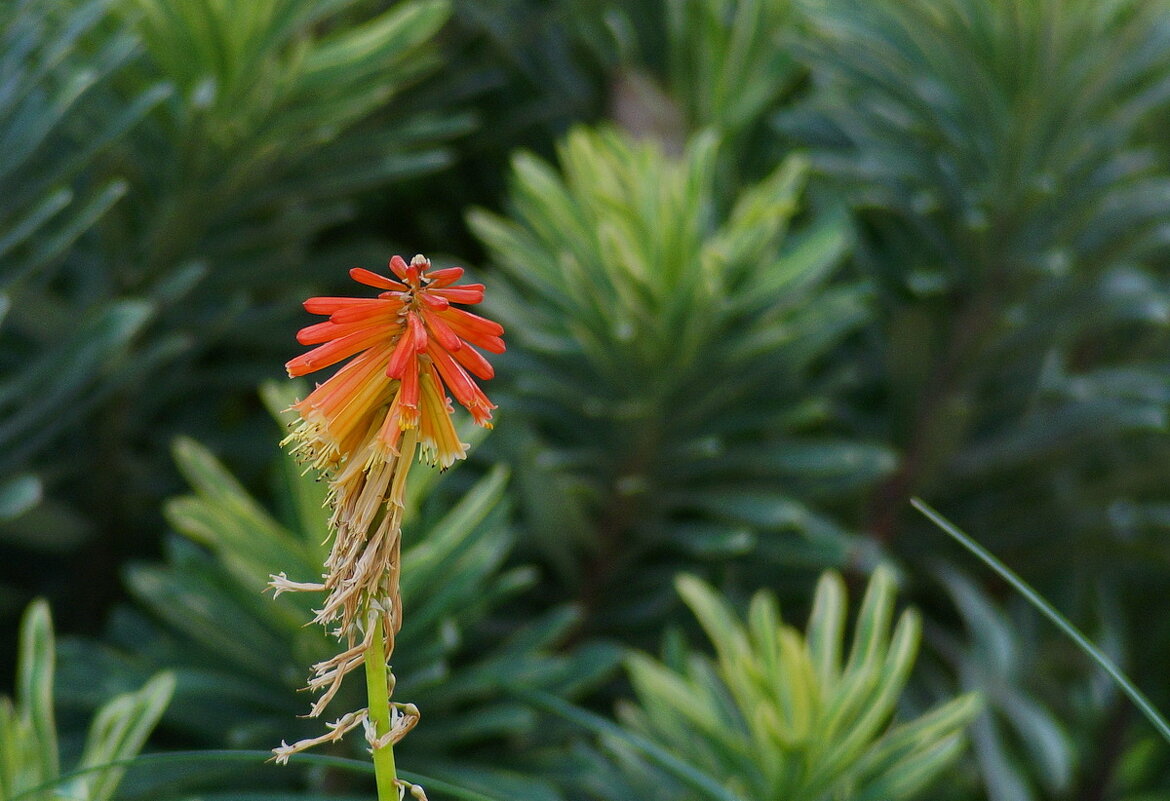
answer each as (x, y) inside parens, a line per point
(360, 429)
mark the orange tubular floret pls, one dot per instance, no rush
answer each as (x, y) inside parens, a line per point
(467, 293)
(462, 320)
(398, 266)
(466, 391)
(333, 352)
(441, 331)
(332, 396)
(371, 278)
(475, 363)
(437, 432)
(323, 332)
(471, 331)
(396, 366)
(391, 430)
(418, 331)
(317, 333)
(408, 392)
(343, 404)
(329, 395)
(354, 419)
(490, 344)
(436, 303)
(373, 310)
(445, 276)
(454, 377)
(330, 305)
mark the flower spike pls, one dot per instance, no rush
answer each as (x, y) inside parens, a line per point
(404, 351)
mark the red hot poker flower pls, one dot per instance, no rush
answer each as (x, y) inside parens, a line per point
(407, 348)
(412, 346)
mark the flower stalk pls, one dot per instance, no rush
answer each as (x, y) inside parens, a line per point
(404, 349)
(378, 694)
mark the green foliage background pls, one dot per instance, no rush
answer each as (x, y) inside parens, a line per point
(768, 269)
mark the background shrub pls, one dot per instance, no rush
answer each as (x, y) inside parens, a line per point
(768, 269)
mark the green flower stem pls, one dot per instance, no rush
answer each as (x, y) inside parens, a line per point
(378, 695)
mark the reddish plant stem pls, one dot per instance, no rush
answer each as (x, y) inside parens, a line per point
(965, 340)
(613, 528)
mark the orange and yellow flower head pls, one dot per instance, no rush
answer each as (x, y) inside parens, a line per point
(407, 347)
(410, 346)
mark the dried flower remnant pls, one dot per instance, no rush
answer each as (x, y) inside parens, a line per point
(407, 348)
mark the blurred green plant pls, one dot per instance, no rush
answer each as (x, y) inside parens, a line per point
(1012, 201)
(999, 158)
(54, 124)
(728, 60)
(778, 715)
(696, 65)
(1022, 746)
(712, 373)
(30, 763)
(730, 65)
(1041, 735)
(534, 66)
(239, 655)
(524, 71)
(279, 121)
(1002, 162)
(666, 370)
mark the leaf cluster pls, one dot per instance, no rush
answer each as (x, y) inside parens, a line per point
(1010, 193)
(1013, 205)
(30, 762)
(53, 125)
(668, 355)
(821, 714)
